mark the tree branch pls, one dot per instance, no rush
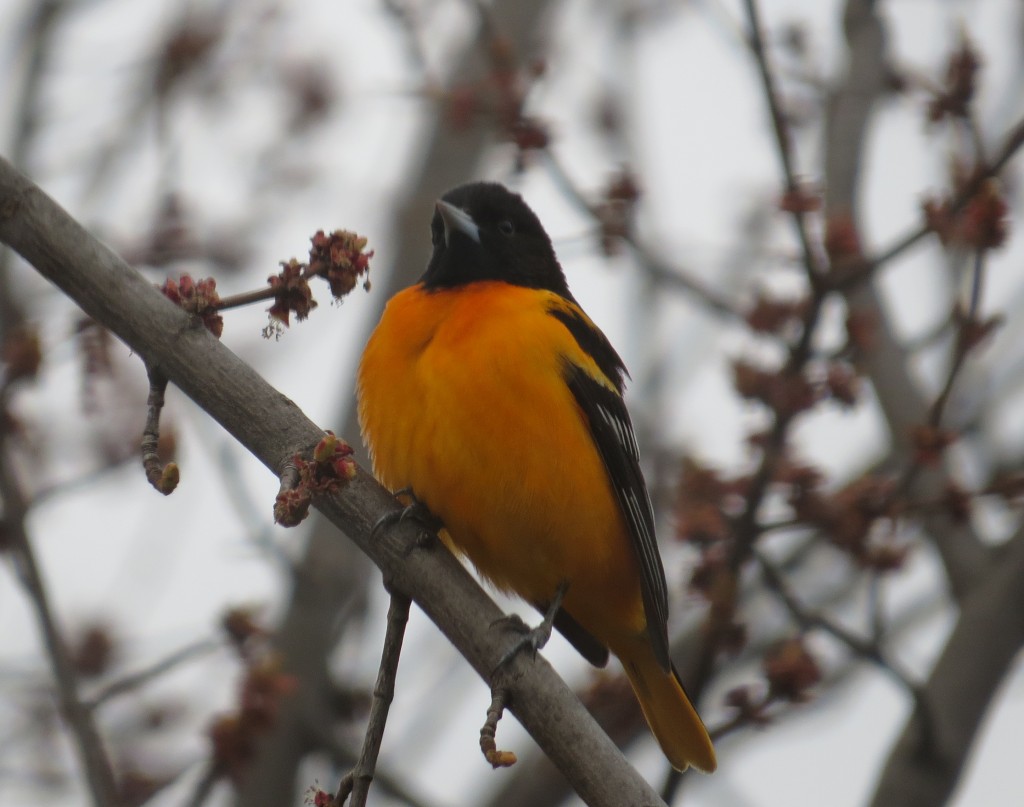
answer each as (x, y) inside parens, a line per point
(927, 762)
(333, 576)
(273, 428)
(781, 130)
(964, 557)
(96, 765)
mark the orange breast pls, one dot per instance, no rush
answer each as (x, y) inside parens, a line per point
(461, 398)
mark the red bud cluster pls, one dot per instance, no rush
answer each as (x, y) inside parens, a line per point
(234, 736)
(341, 258)
(801, 199)
(242, 629)
(21, 354)
(751, 709)
(930, 443)
(981, 224)
(961, 80)
(861, 332)
(777, 317)
(93, 651)
(291, 292)
(614, 213)
(332, 465)
(199, 298)
(791, 671)
(702, 504)
(842, 241)
(185, 49)
(787, 394)
(849, 516)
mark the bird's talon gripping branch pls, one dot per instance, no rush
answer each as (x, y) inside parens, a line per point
(415, 510)
(533, 639)
(453, 407)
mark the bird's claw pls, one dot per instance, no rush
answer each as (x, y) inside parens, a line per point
(415, 510)
(532, 639)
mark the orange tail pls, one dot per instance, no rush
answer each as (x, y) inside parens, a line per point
(668, 710)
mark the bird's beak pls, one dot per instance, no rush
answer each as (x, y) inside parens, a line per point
(457, 220)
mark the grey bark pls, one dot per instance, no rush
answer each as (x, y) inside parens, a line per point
(273, 429)
(333, 577)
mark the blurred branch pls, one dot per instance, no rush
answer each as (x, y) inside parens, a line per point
(38, 41)
(809, 618)
(864, 270)
(133, 682)
(97, 768)
(928, 760)
(887, 365)
(204, 787)
(356, 783)
(332, 579)
(274, 430)
(659, 271)
(781, 130)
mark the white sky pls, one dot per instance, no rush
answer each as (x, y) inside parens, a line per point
(163, 570)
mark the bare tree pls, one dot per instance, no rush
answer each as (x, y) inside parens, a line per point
(794, 550)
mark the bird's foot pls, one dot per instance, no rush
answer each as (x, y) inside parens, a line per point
(532, 639)
(415, 510)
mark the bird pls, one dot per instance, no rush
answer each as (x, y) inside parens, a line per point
(488, 393)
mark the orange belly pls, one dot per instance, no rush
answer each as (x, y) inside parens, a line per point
(463, 402)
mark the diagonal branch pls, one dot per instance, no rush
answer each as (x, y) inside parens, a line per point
(274, 429)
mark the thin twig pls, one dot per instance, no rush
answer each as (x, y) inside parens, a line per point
(387, 783)
(357, 782)
(246, 298)
(808, 620)
(962, 347)
(38, 40)
(860, 272)
(491, 752)
(405, 15)
(781, 130)
(164, 479)
(963, 342)
(98, 770)
(135, 680)
(204, 787)
(658, 270)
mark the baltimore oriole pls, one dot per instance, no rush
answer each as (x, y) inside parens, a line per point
(488, 392)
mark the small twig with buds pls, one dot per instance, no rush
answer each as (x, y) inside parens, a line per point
(163, 478)
(332, 466)
(491, 752)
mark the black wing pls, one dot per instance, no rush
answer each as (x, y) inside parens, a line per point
(587, 646)
(613, 435)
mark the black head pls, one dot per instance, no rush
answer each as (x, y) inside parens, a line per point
(483, 231)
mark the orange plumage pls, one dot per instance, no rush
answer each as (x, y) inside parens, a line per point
(473, 393)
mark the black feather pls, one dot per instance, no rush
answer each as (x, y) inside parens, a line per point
(513, 246)
(594, 344)
(587, 646)
(613, 435)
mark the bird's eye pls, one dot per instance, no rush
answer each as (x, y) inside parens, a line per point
(505, 227)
